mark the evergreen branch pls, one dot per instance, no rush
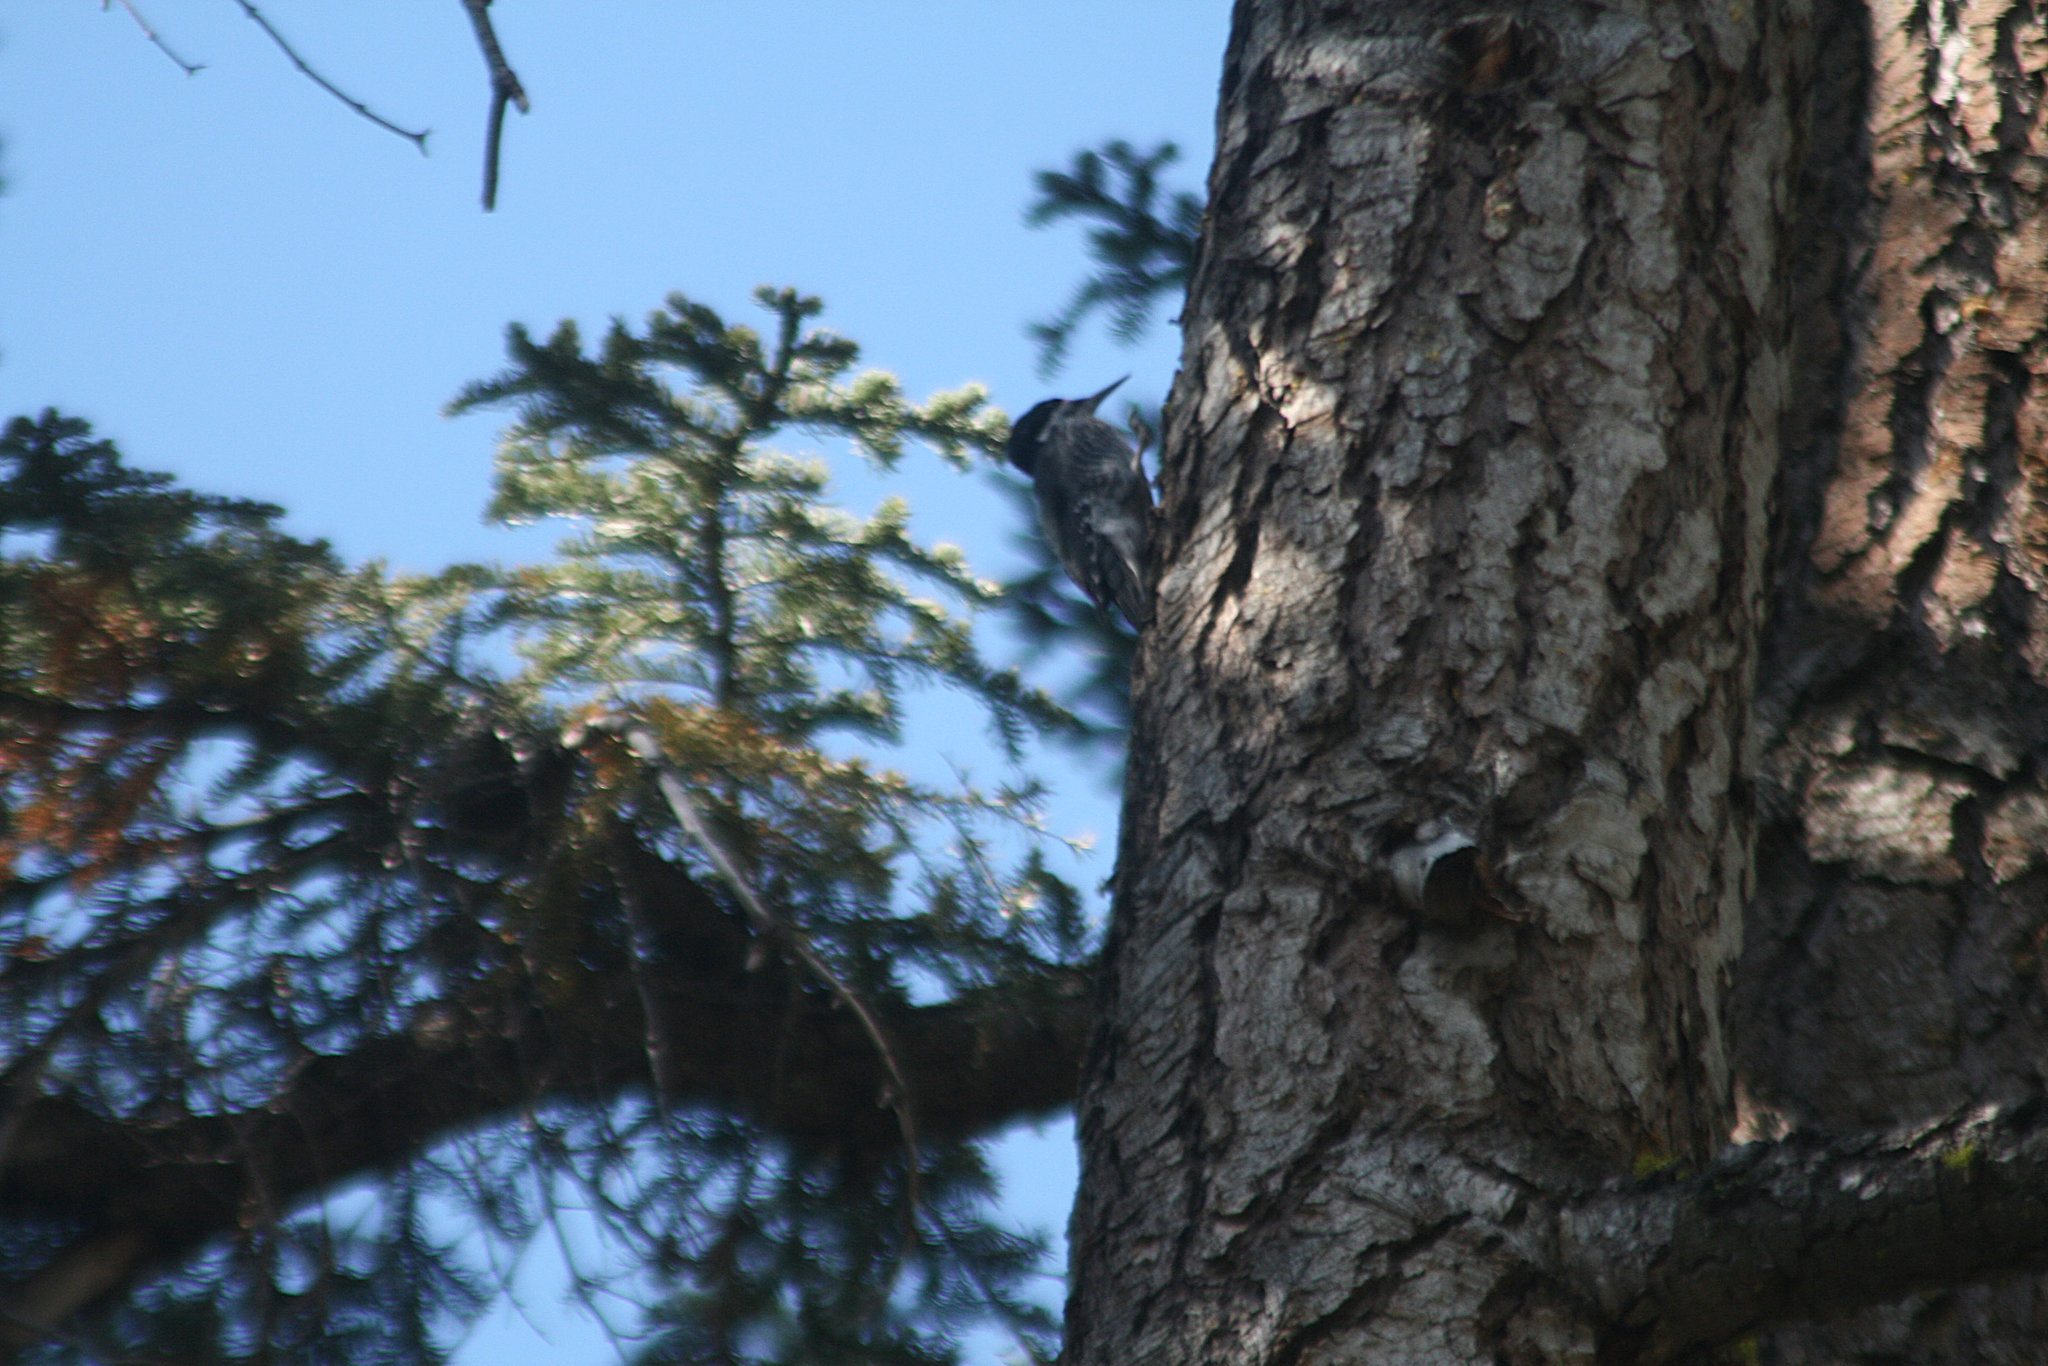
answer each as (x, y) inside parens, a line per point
(1142, 250)
(505, 89)
(643, 744)
(466, 1061)
(418, 139)
(182, 918)
(402, 989)
(189, 68)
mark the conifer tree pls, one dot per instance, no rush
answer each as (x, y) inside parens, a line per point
(311, 880)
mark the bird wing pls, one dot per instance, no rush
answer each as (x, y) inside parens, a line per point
(1123, 506)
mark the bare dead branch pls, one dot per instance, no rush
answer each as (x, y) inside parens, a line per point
(505, 89)
(1810, 1227)
(493, 132)
(643, 744)
(418, 139)
(643, 945)
(189, 68)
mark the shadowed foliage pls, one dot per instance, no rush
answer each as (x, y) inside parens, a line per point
(333, 926)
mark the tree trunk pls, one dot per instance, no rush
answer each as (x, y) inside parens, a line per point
(1445, 774)
(1893, 968)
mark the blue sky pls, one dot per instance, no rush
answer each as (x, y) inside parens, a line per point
(244, 283)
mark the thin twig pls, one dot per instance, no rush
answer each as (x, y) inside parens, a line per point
(418, 139)
(643, 744)
(189, 68)
(505, 88)
(493, 132)
(583, 1285)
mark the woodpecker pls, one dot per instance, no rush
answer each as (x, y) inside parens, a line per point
(1094, 505)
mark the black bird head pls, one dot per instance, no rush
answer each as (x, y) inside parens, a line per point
(1028, 436)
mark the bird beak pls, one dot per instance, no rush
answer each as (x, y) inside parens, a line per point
(1090, 402)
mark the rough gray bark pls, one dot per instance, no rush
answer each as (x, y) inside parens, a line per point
(1893, 967)
(1803, 1229)
(1498, 331)
(1464, 526)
